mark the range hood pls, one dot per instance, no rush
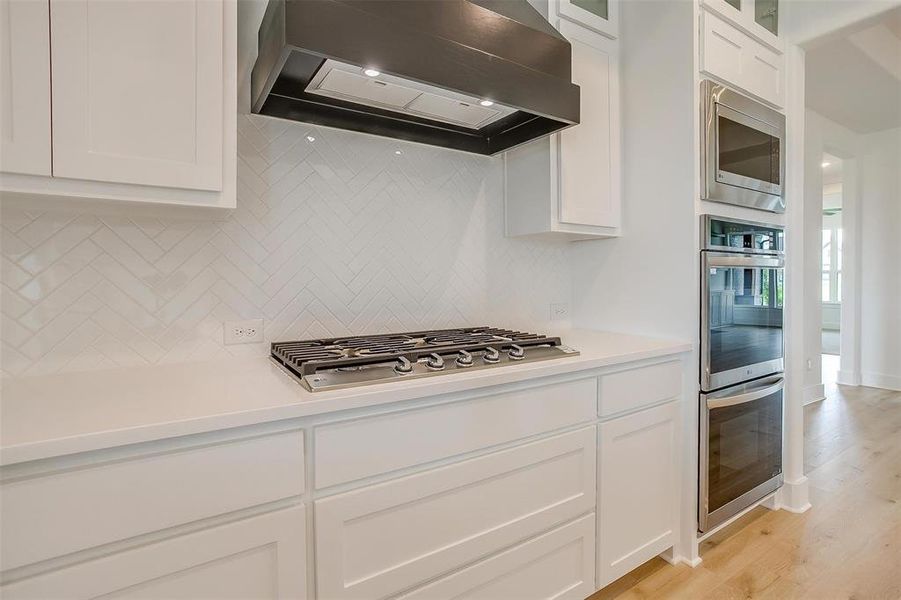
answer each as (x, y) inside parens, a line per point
(480, 76)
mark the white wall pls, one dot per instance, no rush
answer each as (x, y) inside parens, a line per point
(331, 237)
(880, 203)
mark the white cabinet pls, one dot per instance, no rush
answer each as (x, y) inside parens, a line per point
(568, 186)
(599, 15)
(637, 489)
(137, 91)
(143, 102)
(258, 557)
(741, 61)
(758, 18)
(380, 540)
(24, 87)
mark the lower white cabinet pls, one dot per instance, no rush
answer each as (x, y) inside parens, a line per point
(558, 565)
(258, 557)
(381, 540)
(637, 490)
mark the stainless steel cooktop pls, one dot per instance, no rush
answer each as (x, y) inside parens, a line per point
(332, 363)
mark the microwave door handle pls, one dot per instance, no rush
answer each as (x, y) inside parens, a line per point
(744, 398)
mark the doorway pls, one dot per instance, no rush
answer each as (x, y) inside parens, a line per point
(831, 263)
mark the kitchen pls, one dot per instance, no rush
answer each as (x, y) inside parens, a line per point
(362, 265)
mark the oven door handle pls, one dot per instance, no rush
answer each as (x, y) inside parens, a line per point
(746, 397)
(726, 260)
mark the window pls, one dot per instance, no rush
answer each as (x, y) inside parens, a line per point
(832, 265)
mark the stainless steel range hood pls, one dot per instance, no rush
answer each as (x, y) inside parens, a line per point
(475, 75)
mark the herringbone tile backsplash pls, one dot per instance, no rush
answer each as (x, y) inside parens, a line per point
(335, 233)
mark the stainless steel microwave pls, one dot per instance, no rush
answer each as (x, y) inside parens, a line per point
(743, 150)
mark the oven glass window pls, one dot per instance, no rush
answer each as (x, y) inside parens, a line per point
(745, 316)
(746, 151)
(744, 448)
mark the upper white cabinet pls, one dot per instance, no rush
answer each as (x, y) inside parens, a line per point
(599, 15)
(143, 100)
(758, 18)
(741, 61)
(24, 87)
(137, 91)
(569, 185)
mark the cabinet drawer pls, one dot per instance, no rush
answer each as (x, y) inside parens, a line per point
(643, 386)
(260, 557)
(383, 539)
(70, 510)
(344, 451)
(558, 565)
(741, 60)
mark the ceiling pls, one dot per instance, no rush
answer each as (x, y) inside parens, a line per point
(854, 78)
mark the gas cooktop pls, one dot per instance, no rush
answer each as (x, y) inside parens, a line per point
(332, 363)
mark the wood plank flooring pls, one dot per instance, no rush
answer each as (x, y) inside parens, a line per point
(848, 546)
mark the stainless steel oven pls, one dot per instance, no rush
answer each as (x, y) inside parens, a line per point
(742, 359)
(742, 295)
(743, 146)
(741, 440)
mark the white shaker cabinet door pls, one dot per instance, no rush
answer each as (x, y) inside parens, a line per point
(138, 91)
(637, 495)
(588, 160)
(25, 87)
(261, 557)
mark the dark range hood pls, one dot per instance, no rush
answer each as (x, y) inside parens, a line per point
(475, 75)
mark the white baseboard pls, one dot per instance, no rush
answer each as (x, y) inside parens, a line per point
(793, 496)
(881, 380)
(848, 378)
(814, 393)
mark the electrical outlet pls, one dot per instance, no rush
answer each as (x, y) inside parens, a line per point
(243, 332)
(559, 311)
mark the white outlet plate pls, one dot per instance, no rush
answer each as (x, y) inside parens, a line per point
(243, 332)
(559, 311)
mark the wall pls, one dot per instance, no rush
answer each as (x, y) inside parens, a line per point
(331, 237)
(880, 276)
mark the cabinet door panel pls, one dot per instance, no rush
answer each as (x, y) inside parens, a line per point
(25, 87)
(260, 557)
(587, 164)
(637, 497)
(138, 91)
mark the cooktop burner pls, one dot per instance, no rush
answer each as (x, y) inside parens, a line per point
(332, 363)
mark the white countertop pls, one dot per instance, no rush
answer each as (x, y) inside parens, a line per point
(41, 417)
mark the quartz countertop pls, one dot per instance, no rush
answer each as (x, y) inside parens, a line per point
(42, 417)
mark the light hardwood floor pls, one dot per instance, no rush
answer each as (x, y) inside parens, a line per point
(848, 546)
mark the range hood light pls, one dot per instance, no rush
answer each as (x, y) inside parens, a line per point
(486, 103)
(370, 72)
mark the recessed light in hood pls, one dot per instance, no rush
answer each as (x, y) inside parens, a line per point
(476, 75)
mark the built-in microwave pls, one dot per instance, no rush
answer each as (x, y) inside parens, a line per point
(743, 150)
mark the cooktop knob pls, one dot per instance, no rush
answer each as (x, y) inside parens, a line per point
(517, 352)
(434, 361)
(403, 366)
(464, 359)
(491, 355)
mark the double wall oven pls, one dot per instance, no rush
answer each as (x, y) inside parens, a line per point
(742, 361)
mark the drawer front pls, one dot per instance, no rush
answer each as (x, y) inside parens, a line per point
(383, 539)
(344, 451)
(260, 557)
(66, 511)
(629, 390)
(558, 565)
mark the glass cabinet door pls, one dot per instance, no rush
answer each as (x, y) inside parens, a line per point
(766, 14)
(601, 16)
(595, 7)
